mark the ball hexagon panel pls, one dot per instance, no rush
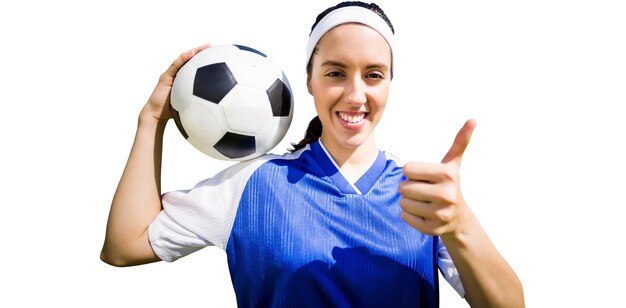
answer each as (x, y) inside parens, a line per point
(204, 123)
(272, 133)
(246, 109)
(254, 70)
(182, 86)
(213, 82)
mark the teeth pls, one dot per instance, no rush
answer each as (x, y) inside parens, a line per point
(352, 118)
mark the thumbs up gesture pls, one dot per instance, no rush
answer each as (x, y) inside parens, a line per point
(431, 196)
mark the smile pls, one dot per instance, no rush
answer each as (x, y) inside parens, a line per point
(352, 117)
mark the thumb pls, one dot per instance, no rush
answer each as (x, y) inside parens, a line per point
(455, 154)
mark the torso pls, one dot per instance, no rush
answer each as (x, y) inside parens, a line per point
(305, 236)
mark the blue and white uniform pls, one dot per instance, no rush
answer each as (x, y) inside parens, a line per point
(297, 233)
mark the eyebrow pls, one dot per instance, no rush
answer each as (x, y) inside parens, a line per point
(342, 65)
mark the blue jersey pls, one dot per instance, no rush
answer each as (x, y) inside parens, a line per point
(297, 233)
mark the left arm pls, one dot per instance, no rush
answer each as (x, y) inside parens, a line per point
(432, 203)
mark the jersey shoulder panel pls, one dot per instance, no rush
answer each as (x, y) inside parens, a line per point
(203, 215)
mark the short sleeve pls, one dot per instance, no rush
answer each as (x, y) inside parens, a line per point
(202, 216)
(448, 269)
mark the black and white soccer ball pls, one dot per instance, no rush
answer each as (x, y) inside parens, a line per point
(232, 102)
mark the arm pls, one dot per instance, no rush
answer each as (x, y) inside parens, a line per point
(487, 278)
(432, 203)
(136, 201)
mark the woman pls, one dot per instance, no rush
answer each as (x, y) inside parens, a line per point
(334, 223)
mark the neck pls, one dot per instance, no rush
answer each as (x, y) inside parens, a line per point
(352, 161)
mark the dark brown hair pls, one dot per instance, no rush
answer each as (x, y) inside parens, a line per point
(314, 130)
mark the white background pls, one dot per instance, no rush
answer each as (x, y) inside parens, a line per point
(544, 172)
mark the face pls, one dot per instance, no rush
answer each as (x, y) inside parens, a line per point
(349, 81)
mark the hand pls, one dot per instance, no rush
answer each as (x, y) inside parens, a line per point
(158, 105)
(431, 197)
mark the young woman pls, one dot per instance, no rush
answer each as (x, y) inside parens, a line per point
(336, 222)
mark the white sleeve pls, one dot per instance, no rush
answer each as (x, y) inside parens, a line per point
(200, 217)
(448, 269)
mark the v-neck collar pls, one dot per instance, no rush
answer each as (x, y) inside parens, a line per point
(330, 168)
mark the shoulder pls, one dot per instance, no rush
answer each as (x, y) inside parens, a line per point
(268, 160)
(264, 163)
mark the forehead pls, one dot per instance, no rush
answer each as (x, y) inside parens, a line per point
(354, 41)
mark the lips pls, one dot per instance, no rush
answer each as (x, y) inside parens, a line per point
(352, 117)
(353, 121)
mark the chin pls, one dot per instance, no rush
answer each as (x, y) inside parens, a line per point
(355, 141)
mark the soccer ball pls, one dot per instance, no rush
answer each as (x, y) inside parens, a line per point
(232, 102)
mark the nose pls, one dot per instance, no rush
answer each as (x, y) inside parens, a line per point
(355, 92)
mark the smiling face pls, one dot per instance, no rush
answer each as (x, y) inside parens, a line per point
(349, 80)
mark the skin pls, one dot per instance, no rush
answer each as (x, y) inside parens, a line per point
(349, 79)
(137, 198)
(350, 75)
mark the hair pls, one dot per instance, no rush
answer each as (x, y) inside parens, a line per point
(314, 130)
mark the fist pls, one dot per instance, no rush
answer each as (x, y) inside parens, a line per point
(431, 196)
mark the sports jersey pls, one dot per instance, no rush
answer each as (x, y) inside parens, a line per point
(297, 233)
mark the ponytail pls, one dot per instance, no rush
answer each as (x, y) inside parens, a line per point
(313, 132)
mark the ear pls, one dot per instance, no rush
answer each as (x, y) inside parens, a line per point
(308, 83)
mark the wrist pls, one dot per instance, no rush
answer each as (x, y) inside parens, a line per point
(148, 118)
(466, 227)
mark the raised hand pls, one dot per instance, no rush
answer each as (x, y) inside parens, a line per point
(431, 197)
(158, 103)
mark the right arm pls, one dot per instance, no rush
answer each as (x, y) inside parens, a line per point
(137, 199)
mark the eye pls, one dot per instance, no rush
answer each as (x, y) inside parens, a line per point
(375, 75)
(334, 74)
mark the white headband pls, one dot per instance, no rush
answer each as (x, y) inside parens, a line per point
(356, 14)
